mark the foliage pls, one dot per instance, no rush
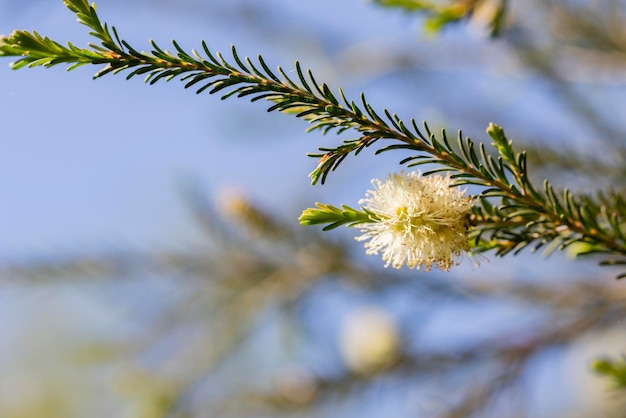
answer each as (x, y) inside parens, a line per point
(615, 370)
(335, 217)
(253, 272)
(440, 15)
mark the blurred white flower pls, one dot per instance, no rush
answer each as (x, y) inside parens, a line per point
(369, 340)
(422, 221)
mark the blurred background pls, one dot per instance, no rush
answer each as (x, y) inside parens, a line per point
(152, 264)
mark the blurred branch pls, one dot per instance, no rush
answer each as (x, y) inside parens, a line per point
(540, 52)
(439, 16)
(613, 369)
(231, 287)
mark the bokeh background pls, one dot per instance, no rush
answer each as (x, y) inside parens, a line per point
(152, 265)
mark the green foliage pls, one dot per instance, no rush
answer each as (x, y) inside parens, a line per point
(615, 370)
(439, 15)
(512, 213)
(335, 217)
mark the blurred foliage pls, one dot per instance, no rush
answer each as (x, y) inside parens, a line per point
(241, 335)
(440, 14)
(615, 370)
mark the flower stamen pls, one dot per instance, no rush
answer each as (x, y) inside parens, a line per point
(421, 221)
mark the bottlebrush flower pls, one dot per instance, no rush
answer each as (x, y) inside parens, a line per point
(421, 221)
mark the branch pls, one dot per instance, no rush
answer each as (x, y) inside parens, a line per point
(512, 214)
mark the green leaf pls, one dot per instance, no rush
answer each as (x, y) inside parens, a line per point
(614, 370)
(334, 216)
(502, 144)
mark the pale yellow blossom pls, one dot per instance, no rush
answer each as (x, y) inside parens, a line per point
(422, 221)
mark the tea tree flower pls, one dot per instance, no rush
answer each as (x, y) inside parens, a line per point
(421, 221)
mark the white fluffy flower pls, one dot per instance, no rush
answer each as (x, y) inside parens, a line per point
(422, 221)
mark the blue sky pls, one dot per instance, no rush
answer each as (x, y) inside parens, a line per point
(102, 162)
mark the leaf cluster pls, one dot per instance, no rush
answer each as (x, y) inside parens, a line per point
(335, 217)
(438, 15)
(513, 213)
(615, 370)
